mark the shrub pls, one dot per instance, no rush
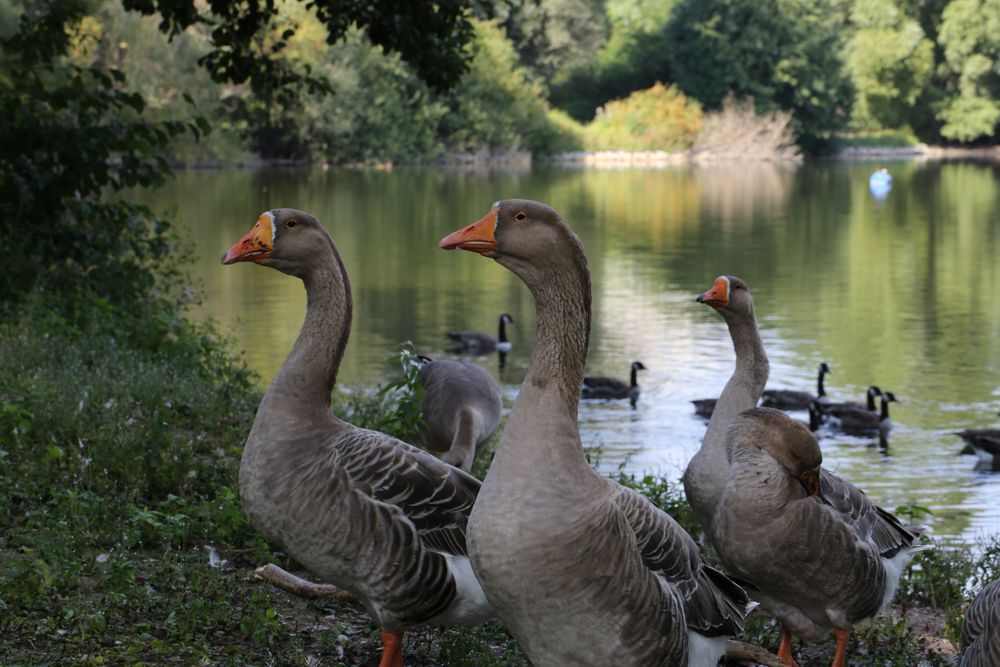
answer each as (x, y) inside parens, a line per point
(658, 118)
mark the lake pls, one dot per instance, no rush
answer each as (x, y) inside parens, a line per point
(899, 291)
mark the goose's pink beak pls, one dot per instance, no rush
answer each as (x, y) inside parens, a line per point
(256, 246)
(718, 296)
(477, 237)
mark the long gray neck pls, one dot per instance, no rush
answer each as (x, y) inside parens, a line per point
(542, 431)
(747, 382)
(707, 472)
(306, 379)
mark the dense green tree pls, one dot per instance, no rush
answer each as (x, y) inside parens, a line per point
(784, 54)
(970, 37)
(890, 62)
(634, 57)
(72, 135)
(555, 37)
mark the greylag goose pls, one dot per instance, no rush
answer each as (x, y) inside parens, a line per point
(865, 422)
(706, 473)
(582, 570)
(361, 510)
(460, 409)
(787, 399)
(474, 341)
(822, 556)
(981, 630)
(983, 442)
(597, 386)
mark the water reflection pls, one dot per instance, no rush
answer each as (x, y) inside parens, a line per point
(898, 293)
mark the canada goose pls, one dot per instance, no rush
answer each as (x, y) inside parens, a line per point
(460, 409)
(582, 570)
(981, 629)
(361, 510)
(865, 422)
(837, 409)
(704, 407)
(984, 443)
(787, 399)
(821, 555)
(596, 386)
(473, 341)
(706, 473)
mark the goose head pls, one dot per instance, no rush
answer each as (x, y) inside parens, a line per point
(637, 366)
(506, 319)
(729, 295)
(283, 238)
(788, 441)
(527, 237)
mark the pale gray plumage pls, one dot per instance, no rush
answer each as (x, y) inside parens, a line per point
(582, 570)
(706, 473)
(460, 409)
(981, 630)
(820, 562)
(358, 508)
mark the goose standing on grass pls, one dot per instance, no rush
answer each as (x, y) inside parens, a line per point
(787, 399)
(361, 510)
(706, 474)
(461, 409)
(981, 630)
(473, 341)
(865, 422)
(597, 386)
(582, 570)
(821, 555)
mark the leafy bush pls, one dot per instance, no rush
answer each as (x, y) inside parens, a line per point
(658, 118)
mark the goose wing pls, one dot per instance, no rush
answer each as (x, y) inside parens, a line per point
(714, 604)
(432, 495)
(981, 630)
(868, 521)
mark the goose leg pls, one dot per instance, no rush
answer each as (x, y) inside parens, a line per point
(840, 657)
(785, 649)
(392, 649)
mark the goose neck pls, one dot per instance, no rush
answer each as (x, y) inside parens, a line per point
(306, 379)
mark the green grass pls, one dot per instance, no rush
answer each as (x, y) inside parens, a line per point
(118, 479)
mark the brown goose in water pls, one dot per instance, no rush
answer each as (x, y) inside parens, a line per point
(358, 508)
(582, 570)
(866, 422)
(706, 473)
(788, 399)
(981, 630)
(597, 386)
(822, 555)
(461, 409)
(474, 341)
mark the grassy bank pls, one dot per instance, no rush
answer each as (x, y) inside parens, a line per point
(122, 539)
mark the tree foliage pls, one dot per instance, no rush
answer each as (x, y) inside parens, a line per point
(784, 54)
(890, 62)
(970, 37)
(658, 118)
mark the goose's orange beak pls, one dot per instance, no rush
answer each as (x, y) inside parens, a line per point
(256, 246)
(810, 480)
(718, 296)
(477, 237)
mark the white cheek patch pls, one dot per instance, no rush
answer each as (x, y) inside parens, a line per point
(274, 227)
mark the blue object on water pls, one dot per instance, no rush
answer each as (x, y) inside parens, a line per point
(880, 182)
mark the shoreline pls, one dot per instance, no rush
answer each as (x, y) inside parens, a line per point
(517, 159)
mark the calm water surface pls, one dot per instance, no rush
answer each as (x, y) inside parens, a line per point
(900, 292)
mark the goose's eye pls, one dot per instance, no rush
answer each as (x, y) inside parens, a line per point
(521, 216)
(292, 224)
